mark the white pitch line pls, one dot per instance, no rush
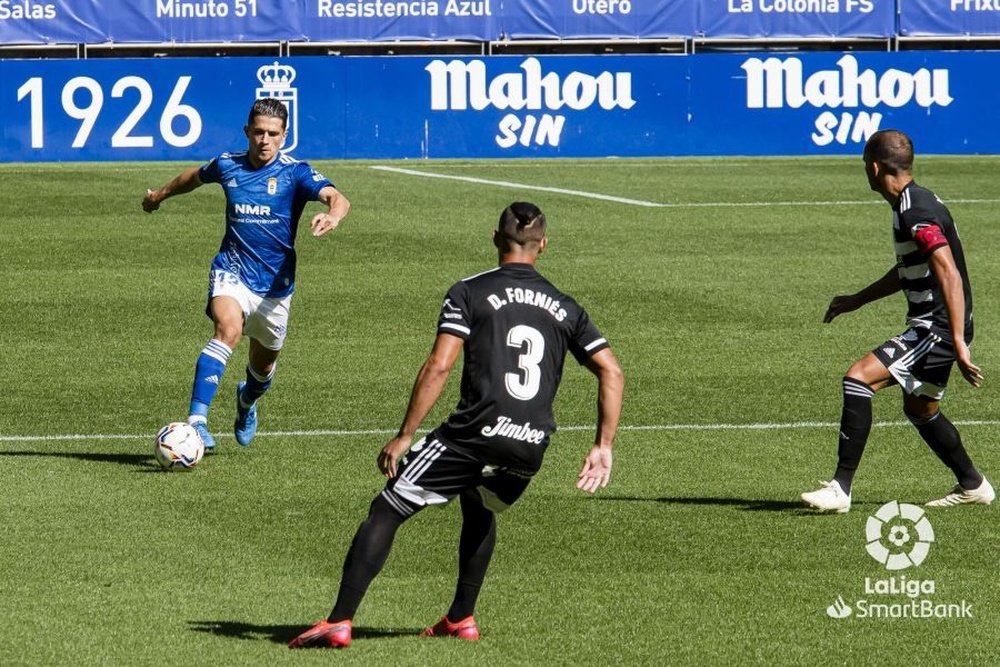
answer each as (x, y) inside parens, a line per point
(521, 186)
(764, 204)
(778, 426)
(649, 204)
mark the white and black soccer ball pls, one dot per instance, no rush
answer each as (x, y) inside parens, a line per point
(178, 447)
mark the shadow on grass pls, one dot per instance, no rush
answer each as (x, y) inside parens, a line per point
(143, 461)
(282, 634)
(746, 504)
(794, 507)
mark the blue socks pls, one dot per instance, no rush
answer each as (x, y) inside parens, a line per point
(207, 375)
(255, 386)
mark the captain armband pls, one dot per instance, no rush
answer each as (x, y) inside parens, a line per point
(929, 238)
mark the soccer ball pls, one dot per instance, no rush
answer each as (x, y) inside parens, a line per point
(178, 447)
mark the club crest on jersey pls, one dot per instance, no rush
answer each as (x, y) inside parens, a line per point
(272, 185)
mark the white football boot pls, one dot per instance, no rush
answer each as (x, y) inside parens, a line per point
(829, 498)
(982, 495)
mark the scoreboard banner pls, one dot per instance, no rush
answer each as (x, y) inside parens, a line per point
(500, 106)
(796, 18)
(921, 18)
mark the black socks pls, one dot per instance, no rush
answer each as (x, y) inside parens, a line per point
(366, 557)
(855, 425)
(943, 438)
(475, 548)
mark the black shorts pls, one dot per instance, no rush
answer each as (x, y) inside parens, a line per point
(433, 473)
(920, 360)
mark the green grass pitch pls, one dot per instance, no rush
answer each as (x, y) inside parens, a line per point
(697, 553)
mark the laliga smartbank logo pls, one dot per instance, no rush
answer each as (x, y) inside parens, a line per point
(898, 536)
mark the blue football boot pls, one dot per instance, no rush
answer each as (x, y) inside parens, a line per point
(201, 428)
(245, 426)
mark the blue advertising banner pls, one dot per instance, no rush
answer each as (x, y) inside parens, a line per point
(184, 21)
(29, 22)
(503, 106)
(949, 18)
(194, 21)
(829, 103)
(569, 19)
(382, 107)
(380, 20)
(796, 18)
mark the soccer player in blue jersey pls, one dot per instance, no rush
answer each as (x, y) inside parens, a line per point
(253, 276)
(930, 271)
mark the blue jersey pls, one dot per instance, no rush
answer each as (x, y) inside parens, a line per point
(262, 216)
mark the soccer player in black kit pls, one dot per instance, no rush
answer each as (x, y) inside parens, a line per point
(930, 271)
(515, 328)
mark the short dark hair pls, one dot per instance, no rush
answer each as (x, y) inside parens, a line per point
(269, 107)
(892, 149)
(522, 223)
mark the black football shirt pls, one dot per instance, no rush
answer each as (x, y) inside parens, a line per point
(517, 328)
(921, 224)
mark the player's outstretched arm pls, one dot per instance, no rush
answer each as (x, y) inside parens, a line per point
(596, 472)
(428, 387)
(337, 208)
(184, 182)
(942, 263)
(845, 303)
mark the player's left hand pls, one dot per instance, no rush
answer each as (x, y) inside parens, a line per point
(323, 223)
(972, 373)
(390, 454)
(840, 304)
(596, 471)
